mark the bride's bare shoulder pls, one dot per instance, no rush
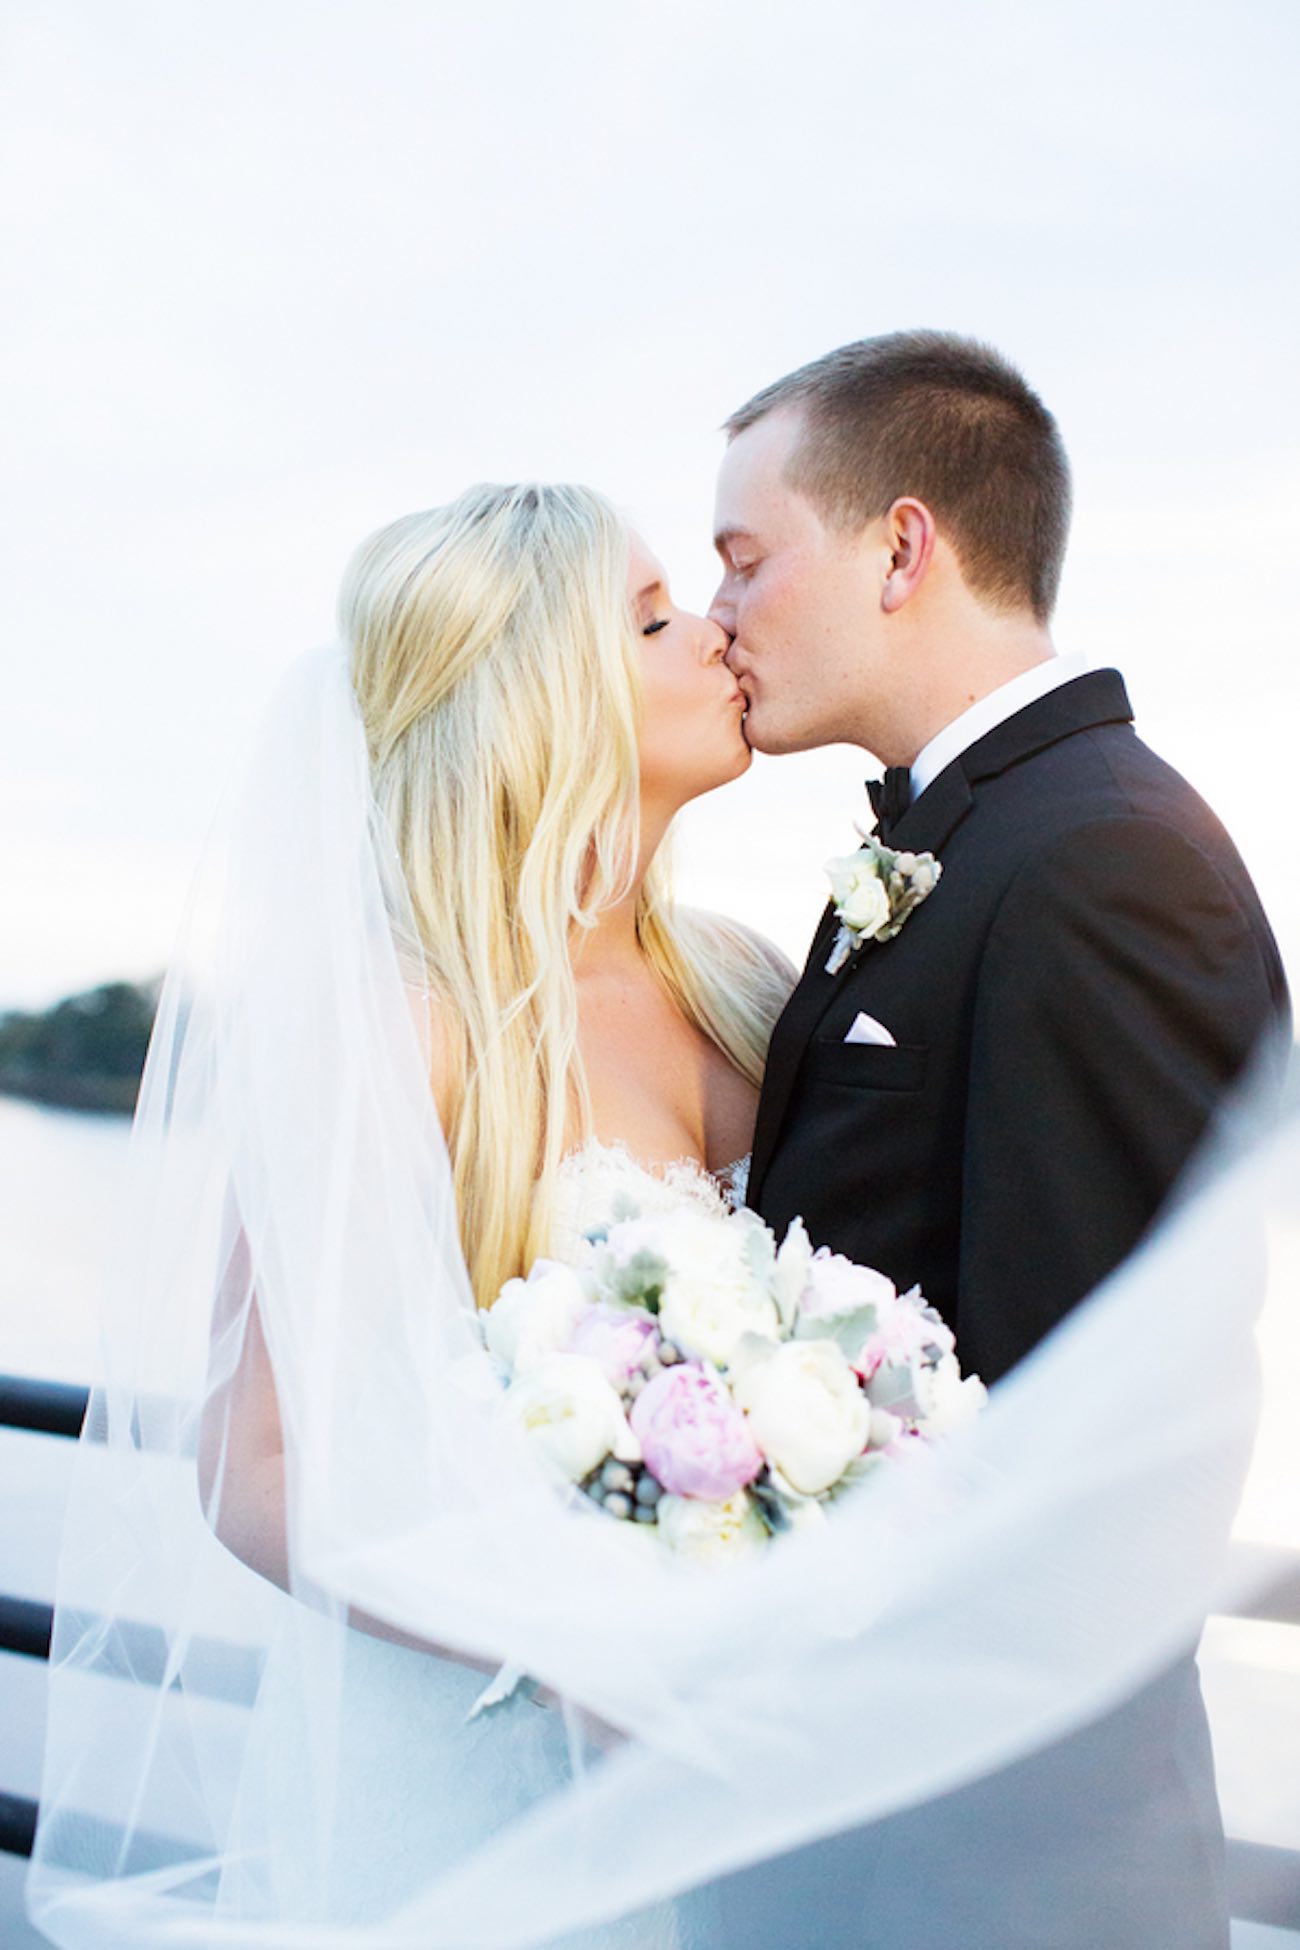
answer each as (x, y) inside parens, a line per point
(433, 1029)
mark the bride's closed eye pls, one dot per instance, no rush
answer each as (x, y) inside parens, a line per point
(652, 629)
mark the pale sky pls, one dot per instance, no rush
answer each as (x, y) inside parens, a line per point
(277, 272)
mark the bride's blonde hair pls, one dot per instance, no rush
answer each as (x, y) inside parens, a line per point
(495, 662)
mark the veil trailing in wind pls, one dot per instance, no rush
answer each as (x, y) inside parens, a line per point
(287, 1758)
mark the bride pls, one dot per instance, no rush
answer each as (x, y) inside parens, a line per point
(433, 1011)
(471, 811)
(536, 710)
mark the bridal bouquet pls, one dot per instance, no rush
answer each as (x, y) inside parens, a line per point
(690, 1375)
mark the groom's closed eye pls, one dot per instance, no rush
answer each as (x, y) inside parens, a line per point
(736, 548)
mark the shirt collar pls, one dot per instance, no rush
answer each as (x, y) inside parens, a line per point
(988, 712)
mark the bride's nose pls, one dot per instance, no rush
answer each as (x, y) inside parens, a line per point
(714, 640)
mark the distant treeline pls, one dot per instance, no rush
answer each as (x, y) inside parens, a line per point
(86, 1053)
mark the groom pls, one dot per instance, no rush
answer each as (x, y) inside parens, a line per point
(994, 1103)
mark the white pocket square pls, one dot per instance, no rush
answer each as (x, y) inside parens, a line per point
(865, 1029)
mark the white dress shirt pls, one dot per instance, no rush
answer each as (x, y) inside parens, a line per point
(986, 712)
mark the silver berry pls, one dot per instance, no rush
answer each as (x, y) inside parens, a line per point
(618, 1505)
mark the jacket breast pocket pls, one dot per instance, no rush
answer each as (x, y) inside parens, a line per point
(868, 1066)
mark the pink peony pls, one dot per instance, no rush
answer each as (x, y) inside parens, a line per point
(614, 1338)
(693, 1437)
(902, 1334)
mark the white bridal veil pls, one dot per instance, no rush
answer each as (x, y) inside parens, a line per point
(234, 1762)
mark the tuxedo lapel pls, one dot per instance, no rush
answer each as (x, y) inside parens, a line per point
(799, 1018)
(930, 821)
(1095, 699)
(926, 827)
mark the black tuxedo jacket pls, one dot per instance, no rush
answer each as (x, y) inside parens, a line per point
(1090, 974)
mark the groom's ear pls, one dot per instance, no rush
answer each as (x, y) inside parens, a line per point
(908, 549)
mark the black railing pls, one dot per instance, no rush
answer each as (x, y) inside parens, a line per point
(48, 1407)
(25, 1627)
(1263, 1882)
(17, 1824)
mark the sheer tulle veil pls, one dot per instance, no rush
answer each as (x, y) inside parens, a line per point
(955, 1614)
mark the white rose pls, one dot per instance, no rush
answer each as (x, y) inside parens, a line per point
(809, 1416)
(859, 893)
(946, 1401)
(711, 1297)
(533, 1318)
(705, 1532)
(572, 1413)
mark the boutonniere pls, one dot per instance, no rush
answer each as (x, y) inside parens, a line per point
(873, 891)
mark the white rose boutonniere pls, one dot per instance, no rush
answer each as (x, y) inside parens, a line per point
(873, 891)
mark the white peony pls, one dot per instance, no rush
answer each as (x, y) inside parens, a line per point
(806, 1513)
(627, 1239)
(711, 1296)
(859, 893)
(836, 1286)
(704, 1532)
(572, 1413)
(533, 1318)
(946, 1401)
(809, 1416)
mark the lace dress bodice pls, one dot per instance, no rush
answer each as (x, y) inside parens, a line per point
(592, 1178)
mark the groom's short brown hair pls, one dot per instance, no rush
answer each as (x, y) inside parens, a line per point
(945, 419)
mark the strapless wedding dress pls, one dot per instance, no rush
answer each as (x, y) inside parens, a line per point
(592, 1179)
(420, 1784)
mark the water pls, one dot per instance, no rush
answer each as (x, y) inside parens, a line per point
(61, 1179)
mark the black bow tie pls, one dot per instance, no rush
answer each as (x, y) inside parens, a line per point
(891, 796)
